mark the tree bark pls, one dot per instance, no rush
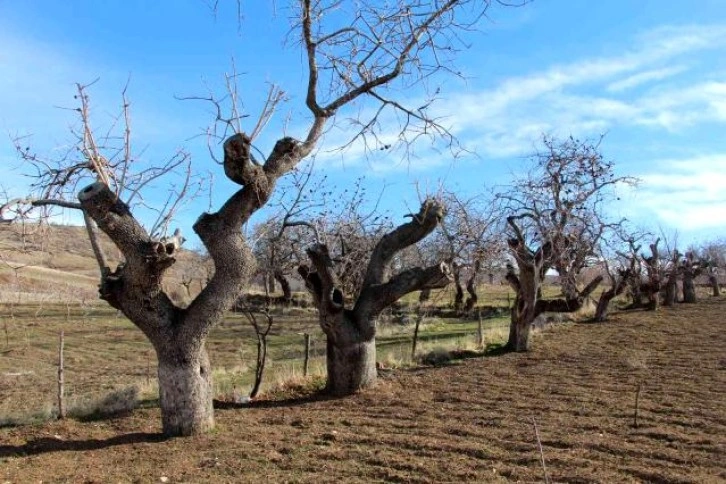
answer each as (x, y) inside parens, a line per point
(472, 299)
(284, 285)
(689, 287)
(671, 292)
(458, 290)
(185, 391)
(526, 288)
(351, 365)
(617, 288)
(713, 281)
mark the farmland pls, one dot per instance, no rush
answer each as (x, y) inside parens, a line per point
(471, 421)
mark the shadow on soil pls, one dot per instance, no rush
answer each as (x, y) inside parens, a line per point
(47, 444)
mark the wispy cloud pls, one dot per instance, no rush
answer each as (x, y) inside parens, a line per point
(589, 96)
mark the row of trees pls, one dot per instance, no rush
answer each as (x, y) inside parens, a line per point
(355, 264)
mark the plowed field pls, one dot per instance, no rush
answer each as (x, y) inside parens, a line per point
(473, 421)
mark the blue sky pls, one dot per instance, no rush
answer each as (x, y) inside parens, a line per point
(650, 74)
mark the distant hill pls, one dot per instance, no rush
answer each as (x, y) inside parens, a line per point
(56, 262)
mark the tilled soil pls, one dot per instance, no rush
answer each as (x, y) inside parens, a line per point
(471, 422)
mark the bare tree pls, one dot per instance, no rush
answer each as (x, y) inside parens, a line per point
(557, 224)
(351, 332)
(622, 265)
(713, 254)
(353, 51)
(654, 276)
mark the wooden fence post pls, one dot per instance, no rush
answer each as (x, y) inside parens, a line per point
(61, 382)
(307, 355)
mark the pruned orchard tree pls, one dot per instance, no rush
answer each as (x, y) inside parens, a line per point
(557, 223)
(622, 266)
(351, 330)
(713, 253)
(354, 52)
(474, 243)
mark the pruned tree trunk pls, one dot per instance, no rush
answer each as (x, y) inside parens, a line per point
(351, 333)
(472, 299)
(689, 287)
(691, 268)
(458, 290)
(670, 295)
(618, 286)
(653, 287)
(713, 282)
(523, 312)
(270, 281)
(284, 286)
(351, 364)
(185, 391)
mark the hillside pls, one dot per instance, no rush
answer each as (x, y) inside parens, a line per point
(471, 422)
(56, 263)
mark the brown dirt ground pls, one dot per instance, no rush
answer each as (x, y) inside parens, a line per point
(467, 422)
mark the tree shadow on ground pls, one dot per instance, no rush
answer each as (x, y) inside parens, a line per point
(296, 400)
(48, 444)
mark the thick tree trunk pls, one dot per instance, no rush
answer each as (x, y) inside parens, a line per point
(270, 281)
(459, 291)
(285, 286)
(424, 295)
(713, 281)
(185, 392)
(472, 299)
(671, 292)
(523, 311)
(603, 304)
(689, 287)
(519, 329)
(351, 366)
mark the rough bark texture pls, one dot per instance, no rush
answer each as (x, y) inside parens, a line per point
(284, 286)
(619, 283)
(670, 295)
(185, 392)
(351, 348)
(472, 299)
(653, 286)
(691, 268)
(458, 290)
(689, 287)
(713, 282)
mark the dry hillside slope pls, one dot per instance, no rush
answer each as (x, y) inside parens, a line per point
(469, 422)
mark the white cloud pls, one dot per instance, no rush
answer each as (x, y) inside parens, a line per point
(589, 96)
(686, 193)
(644, 78)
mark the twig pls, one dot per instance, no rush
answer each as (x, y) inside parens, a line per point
(541, 452)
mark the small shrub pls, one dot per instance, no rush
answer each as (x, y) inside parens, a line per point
(119, 401)
(436, 357)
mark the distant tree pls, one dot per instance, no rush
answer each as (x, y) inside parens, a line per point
(557, 223)
(471, 241)
(713, 254)
(353, 52)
